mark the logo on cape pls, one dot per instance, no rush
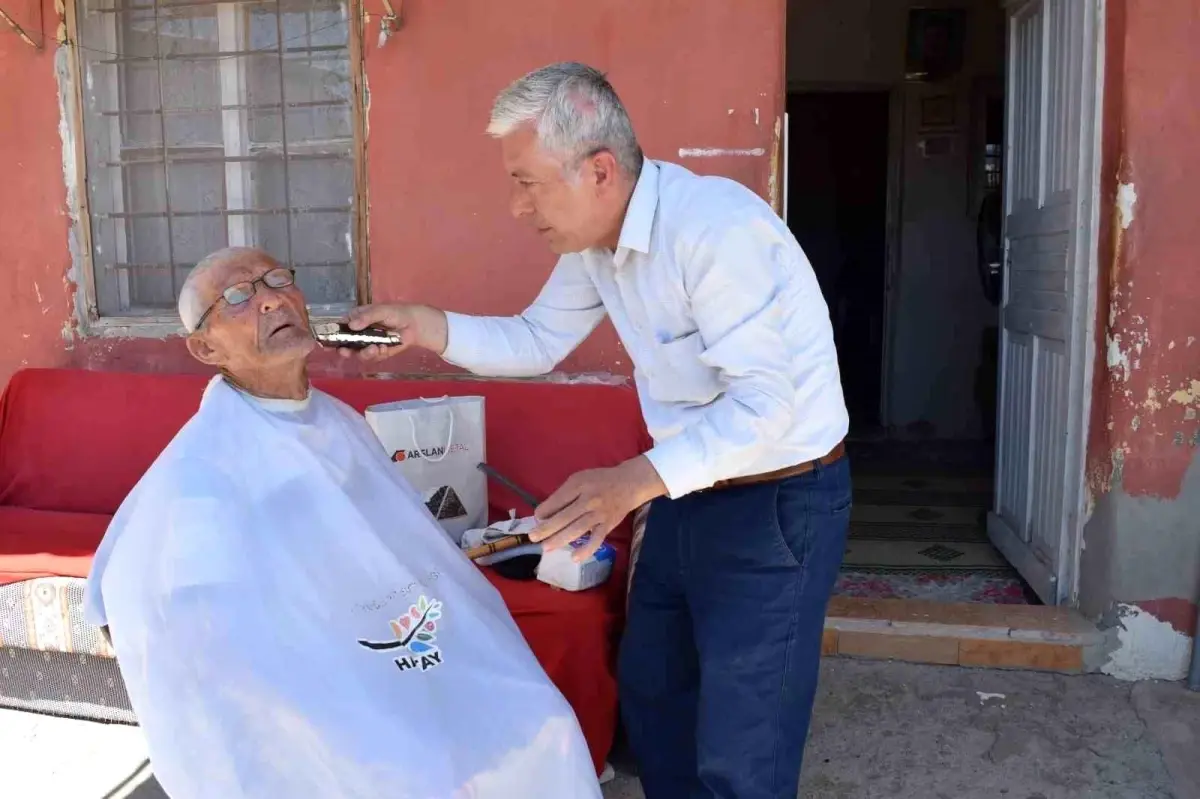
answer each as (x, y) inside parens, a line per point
(415, 632)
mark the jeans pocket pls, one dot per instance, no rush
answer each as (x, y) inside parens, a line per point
(737, 529)
(792, 523)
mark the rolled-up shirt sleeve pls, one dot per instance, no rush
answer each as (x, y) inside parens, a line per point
(565, 312)
(733, 278)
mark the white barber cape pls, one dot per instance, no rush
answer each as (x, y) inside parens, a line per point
(291, 622)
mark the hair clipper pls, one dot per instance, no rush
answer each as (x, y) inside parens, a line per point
(339, 334)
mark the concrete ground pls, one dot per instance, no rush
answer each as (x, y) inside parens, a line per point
(880, 730)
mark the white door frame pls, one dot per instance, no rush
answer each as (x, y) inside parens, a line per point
(1083, 343)
(1063, 587)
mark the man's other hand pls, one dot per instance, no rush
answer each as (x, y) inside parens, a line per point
(594, 502)
(417, 325)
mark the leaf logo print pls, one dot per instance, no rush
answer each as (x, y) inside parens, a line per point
(425, 631)
(414, 630)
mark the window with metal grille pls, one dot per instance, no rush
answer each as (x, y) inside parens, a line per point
(217, 123)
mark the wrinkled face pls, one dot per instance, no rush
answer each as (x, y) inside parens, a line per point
(571, 212)
(270, 329)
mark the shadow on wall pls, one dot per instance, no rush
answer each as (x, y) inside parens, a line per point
(141, 784)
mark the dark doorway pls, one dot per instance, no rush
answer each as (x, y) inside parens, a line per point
(837, 209)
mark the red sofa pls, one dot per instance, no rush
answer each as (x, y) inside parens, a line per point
(73, 443)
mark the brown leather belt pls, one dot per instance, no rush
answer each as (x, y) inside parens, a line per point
(788, 471)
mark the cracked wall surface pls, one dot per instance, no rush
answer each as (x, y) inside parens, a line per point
(1140, 566)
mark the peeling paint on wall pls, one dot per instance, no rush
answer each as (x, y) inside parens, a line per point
(776, 164)
(1118, 359)
(75, 241)
(717, 152)
(1151, 398)
(1152, 402)
(1147, 649)
(1126, 347)
(366, 108)
(1126, 203)
(1188, 397)
(65, 129)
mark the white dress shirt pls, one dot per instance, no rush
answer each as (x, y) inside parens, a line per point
(721, 313)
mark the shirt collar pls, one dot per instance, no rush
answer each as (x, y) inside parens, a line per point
(274, 404)
(639, 216)
(277, 405)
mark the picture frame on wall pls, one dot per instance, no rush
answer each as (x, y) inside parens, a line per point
(935, 42)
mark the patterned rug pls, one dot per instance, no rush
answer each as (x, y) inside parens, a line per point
(981, 588)
(925, 537)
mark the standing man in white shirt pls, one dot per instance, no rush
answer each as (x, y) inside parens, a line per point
(735, 366)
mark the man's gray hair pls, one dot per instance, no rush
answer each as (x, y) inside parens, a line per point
(191, 305)
(575, 111)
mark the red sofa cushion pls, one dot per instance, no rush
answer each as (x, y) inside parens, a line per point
(78, 441)
(74, 443)
(46, 543)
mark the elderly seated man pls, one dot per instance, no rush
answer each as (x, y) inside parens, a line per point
(289, 619)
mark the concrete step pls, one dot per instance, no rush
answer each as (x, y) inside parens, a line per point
(1031, 637)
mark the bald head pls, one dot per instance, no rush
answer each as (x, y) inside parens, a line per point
(258, 331)
(204, 283)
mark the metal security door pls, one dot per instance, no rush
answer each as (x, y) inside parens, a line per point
(1049, 244)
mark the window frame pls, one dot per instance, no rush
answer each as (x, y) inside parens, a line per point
(136, 325)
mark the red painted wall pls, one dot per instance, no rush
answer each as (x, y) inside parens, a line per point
(1145, 427)
(692, 72)
(35, 298)
(1141, 541)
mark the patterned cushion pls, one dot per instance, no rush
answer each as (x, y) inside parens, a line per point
(46, 614)
(64, 684)
(51, 661)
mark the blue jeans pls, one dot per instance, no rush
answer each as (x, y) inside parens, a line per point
(721, 653)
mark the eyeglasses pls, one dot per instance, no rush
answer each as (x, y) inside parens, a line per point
(278, 278)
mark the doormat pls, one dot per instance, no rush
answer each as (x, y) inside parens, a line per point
(924, 536)
(924, 555)
(988, 589)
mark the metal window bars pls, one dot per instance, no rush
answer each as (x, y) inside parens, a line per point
(255, 154)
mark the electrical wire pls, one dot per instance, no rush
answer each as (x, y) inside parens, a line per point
(19, 29)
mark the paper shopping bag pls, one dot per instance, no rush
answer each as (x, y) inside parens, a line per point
(437, 444)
